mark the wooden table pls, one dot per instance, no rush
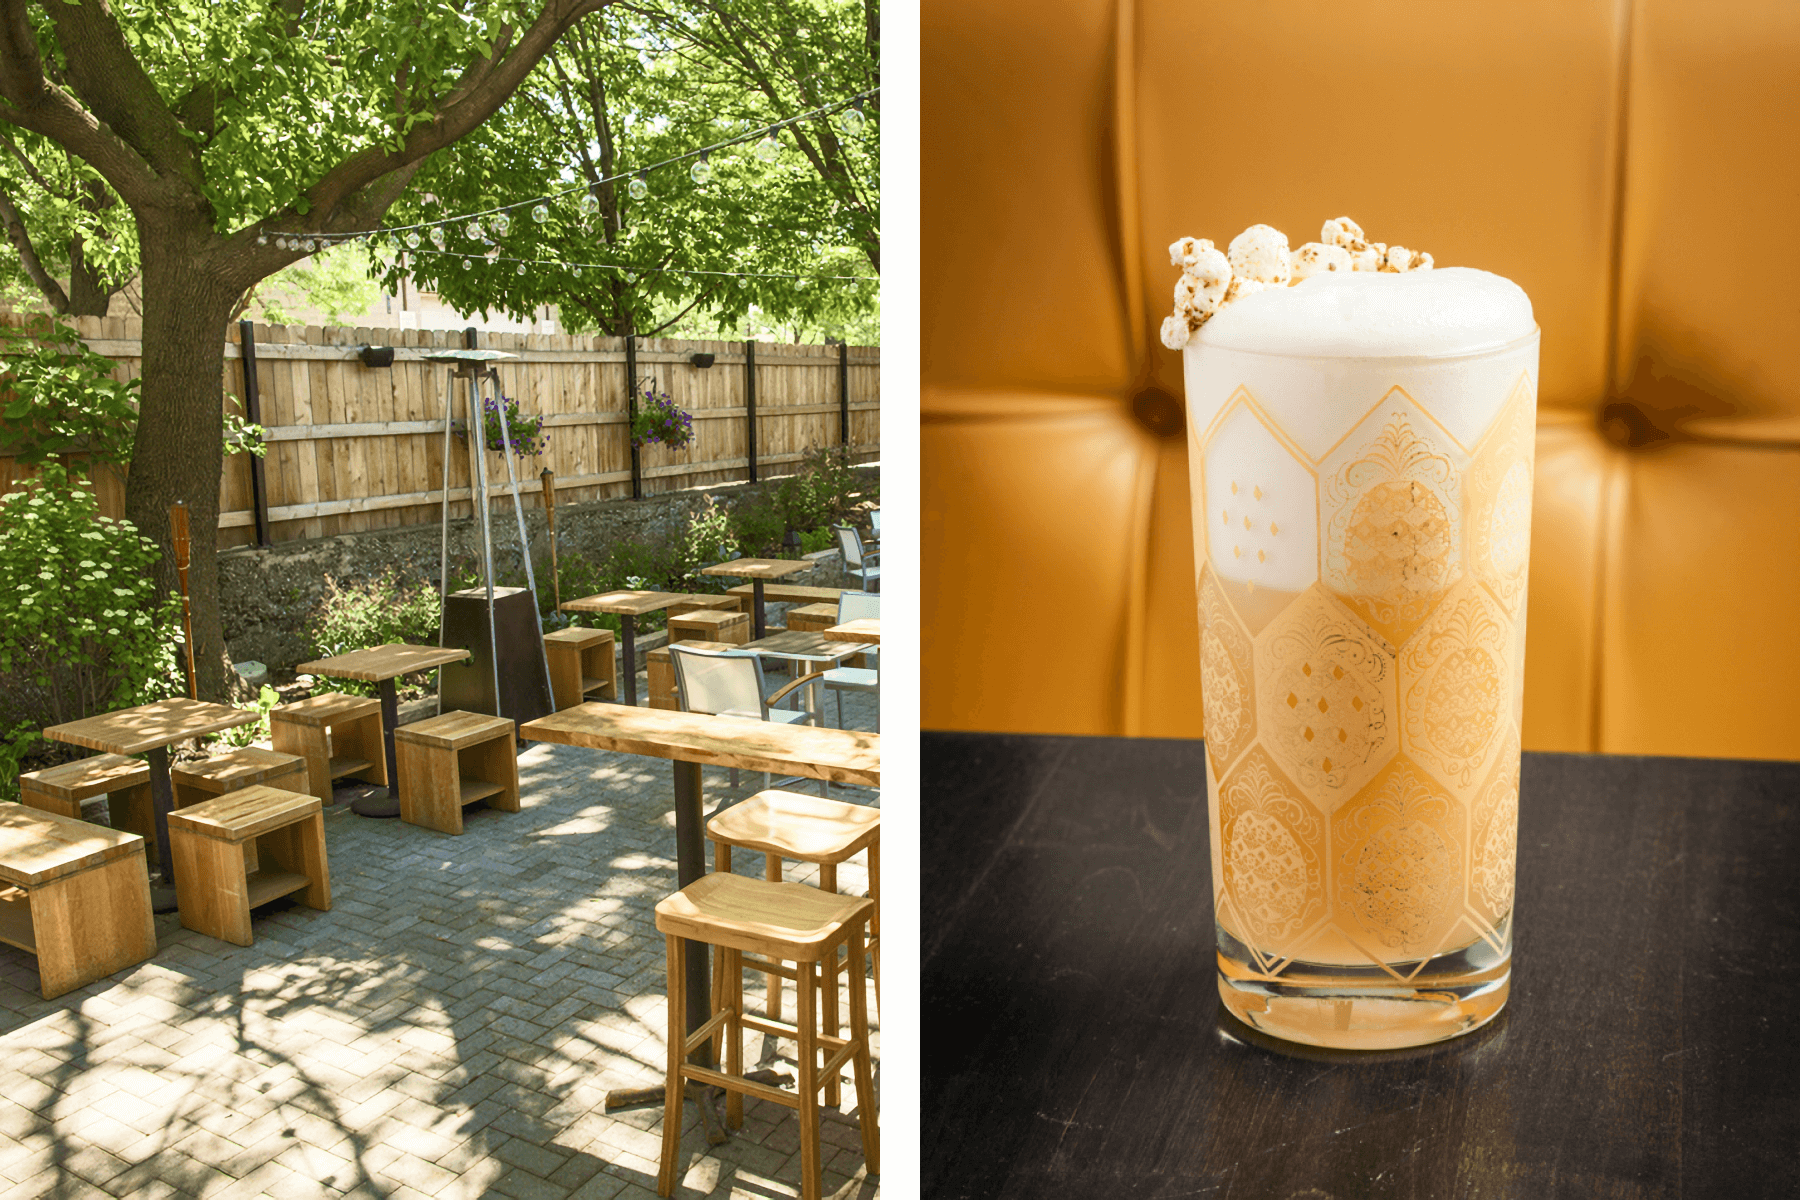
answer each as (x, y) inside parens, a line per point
(76, 895)
(691, 740)
(1069, 966)
(758, 571)
(150, 729)
(802, 646)
(628, 606)
(864, 629)
(381, 666)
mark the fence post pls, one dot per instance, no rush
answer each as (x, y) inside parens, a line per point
(844, 392)
(259, 496)
(637, 471)
(750, 405)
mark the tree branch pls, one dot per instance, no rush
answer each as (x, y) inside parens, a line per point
(28, 256)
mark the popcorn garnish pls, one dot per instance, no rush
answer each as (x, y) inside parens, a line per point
(1259, 258)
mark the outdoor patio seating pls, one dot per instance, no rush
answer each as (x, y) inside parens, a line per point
(661, 669)
(811, 618)
(338, 736)
(730, 683)
(198, 782)
(240, 851)
(856, 678)
(783, 825)
(74, 894)
(858, 561)
(124, 781)
(582, 665)
(452, 761)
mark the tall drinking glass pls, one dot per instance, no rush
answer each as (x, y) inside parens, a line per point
(1361, 461)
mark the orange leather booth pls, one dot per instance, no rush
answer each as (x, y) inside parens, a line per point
(1634, 167)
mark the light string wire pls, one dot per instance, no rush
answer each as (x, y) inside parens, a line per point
(749, 136)
(631, 270)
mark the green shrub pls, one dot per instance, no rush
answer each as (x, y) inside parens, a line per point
(359, 616)
(59, 397)
(825, 491)
(84, 633)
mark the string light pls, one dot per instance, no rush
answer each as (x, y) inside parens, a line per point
(853, 120)
(631, 274)
(769, 149)
(640, 186)
(701, 172)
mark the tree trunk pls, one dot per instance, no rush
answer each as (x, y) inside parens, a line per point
(179, 451)
(88, 294)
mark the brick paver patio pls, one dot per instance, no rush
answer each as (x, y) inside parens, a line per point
(450, 1028)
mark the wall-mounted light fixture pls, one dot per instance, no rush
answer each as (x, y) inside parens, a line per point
(702, 361)
(376, 356)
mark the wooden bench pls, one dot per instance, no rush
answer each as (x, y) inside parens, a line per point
(337, 735)
(728, 628)
(582, 665)
(451, 761)
(125, 782)
(244, 849)
(198, 782)
(812, 618)
(663, 693)
(776, 592)
(76, 895)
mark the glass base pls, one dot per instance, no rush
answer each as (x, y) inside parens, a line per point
(1366, 1008)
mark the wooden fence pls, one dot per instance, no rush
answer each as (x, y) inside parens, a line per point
(353, 447)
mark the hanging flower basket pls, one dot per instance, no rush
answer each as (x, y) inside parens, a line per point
(526, 432)
(658, 420)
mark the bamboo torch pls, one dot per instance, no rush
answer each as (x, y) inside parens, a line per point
(548, 478)
(178, 529)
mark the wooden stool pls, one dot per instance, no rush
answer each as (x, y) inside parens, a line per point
(451, 761)
(124, 781)
(812, 617)
(787, 922)
(242, 850)
(77, 896)
(663, 693)
(704, 602)
(582, 666)
(729, 628)
(811, 829)
(337, 735)
(200, 781)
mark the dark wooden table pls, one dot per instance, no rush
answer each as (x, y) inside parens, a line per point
(1075, 1045)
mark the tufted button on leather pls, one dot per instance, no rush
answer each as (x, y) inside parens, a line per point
(1159, 412)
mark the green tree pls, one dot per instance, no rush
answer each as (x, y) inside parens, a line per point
(64, 222)
(636, 87)
(220, 125)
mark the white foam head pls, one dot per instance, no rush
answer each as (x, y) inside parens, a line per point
(1369, 314)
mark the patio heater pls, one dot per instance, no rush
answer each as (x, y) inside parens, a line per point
(507, 674)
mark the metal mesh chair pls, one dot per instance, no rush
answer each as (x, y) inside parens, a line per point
(838, 680)
(857, 561)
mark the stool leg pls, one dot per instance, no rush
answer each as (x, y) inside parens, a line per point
(834, 1095)
(671, 1136)
(721, 866)
(808, 1022)
(734, 1032)
(865, 1074)
(875, 918)
(772, 872)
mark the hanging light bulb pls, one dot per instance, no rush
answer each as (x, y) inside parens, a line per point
(473, 229)
(412, 239)
(281, 243)
(309, 245)
(853, 120)
(540, 213)
(262, 239)
(590, 204)
(467, 264)
(640, 187)
(631, 277)
(578, 272)
(701, 171)
(437, 236)
(769, 149)
(500, 223)
(520, 270)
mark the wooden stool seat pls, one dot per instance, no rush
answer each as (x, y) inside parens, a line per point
(77, 896)
(813, 829)
(453, 760)
(786, 921)
(710, 625)
(337, 735)
(704, 601)
(125, 782)
(812, 618)
(244, 849)
(200, 781)
(582, 665)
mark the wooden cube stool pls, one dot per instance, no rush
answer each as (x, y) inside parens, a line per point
(125, 782)
(711, 625)
(74, 894)
(197, 782)
(244, 849)
(663, 693)
(786, 922)
(337, 735)
(582, 666)
(812, 618)
(450, 762)
(704, 602)
(812, 829)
